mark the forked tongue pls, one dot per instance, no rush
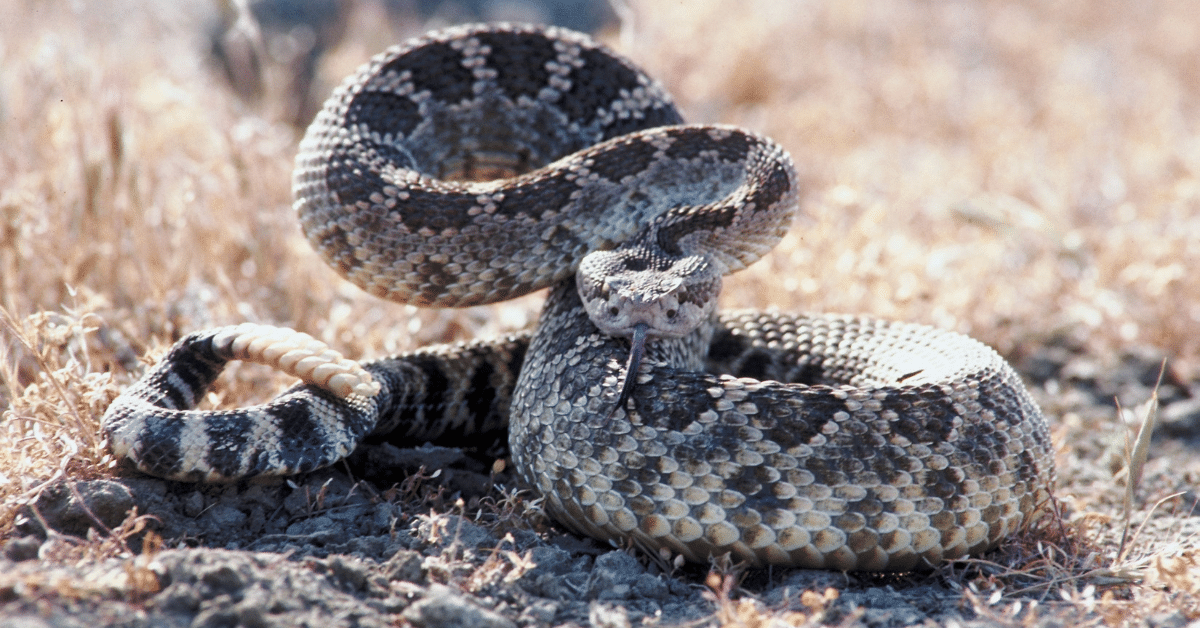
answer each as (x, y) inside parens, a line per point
(637, 348)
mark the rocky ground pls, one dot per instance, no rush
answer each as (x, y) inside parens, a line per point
(438, 539)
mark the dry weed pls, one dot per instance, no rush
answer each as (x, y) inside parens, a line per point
(810, 608)
(460, 566)
(49, 423)
(114, 570)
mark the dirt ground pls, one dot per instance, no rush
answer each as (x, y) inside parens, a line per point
(1025, 172)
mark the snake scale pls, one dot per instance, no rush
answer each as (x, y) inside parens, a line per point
(480, 163)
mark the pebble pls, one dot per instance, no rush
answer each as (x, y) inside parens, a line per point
(442, 606)
(74, 507)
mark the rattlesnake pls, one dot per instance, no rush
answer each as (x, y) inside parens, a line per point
(479, 163)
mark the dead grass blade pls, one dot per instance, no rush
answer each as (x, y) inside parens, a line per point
(1136, 461)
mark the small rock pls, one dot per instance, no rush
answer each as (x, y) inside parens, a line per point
(614, 576)
(217, 616)
(146, 490)
(652, 587)
(193, 506)
(225, 517)
(251, 614)
(22, 548)
(74, 507)
(178, 598)
(549, 561)
(383, 516)
(539, 613)
(369, 546)
(349, 573)
(222, 578)
(442, 606)
(404, 565)
(322, 527)
(557, 574)
(257, 518)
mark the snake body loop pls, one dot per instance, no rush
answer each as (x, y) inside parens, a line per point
(479, 163)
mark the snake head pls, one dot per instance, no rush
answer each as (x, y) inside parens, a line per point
(669, 296)
(636, 292)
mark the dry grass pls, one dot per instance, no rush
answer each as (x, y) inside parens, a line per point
(1024, 171)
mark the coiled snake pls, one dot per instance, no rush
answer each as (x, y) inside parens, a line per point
(480, 163)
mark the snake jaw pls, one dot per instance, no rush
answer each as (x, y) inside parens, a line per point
(637, 349)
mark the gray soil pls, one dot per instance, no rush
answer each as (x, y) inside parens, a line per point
(466, 548)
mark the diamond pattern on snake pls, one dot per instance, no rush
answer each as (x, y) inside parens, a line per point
(480, 163)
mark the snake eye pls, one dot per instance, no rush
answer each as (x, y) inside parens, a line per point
(671, 313)
(614, 310)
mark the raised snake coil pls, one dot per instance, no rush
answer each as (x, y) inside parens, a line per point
(480, 163)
